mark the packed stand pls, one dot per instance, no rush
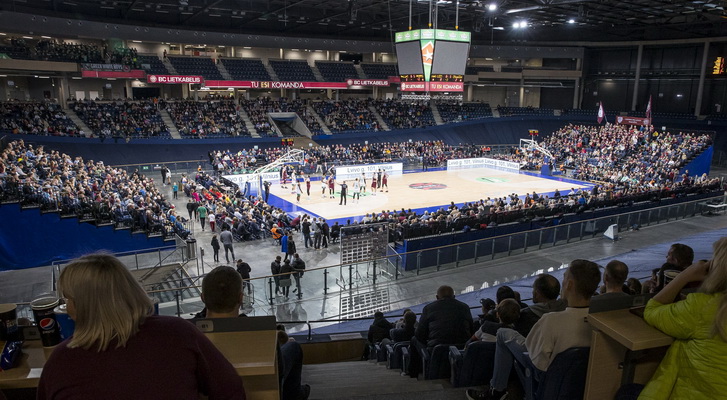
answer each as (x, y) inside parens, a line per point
(207, 119)
(123, 55)
(258, 109)
(459, 112)
(404, 115)
(36, 118)
(122, 119)
(346, 115)
(48, 50)
(88, 190)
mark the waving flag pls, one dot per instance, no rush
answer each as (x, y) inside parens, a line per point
(601, 113)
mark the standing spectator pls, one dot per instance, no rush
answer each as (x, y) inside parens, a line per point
(305, 230)
(202, 213)
(299, 268)
(290, 247)
(284, 245)
(216, 248)
(285, 280)
(164, 175)
(325, 233)
(244, 270)
(318, 233)
(275, 270)
(175, 190)
(227, 240)
(211, 218)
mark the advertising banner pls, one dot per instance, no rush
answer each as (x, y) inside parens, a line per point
(632, 121)
(105, 67)
(133, 74)
(482, 163)
(432, 86)
(240, 179)
(368, 82)
(276, 85)
(174, 79)
(355, 171)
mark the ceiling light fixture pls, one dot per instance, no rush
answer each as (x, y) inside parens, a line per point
(492, 6)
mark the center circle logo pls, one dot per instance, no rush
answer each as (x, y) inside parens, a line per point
(428, 186)
(152, 78)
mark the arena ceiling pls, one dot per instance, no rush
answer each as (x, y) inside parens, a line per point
(547, 20)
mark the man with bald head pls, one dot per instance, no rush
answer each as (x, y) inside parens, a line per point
(614, 277)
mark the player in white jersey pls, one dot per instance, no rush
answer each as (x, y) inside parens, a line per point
(356, 191)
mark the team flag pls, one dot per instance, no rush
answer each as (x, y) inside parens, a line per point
(601, 113)
(648, 111)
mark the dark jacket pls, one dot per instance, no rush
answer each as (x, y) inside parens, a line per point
(298, 265)
(445, 321)
(215, 243)
(530, 315)
(379, 330)
(291, 247)
(402, 334)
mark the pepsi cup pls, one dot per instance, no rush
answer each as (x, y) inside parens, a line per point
(45, 318)
(65, 322)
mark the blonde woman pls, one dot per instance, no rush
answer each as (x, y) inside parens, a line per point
(696, 364)
(120, 351)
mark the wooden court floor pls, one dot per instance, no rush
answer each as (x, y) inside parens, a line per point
(424, 190)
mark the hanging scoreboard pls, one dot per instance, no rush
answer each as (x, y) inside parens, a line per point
(432, 60)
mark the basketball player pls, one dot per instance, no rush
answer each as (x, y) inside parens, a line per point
(331, 186)
(378, 178)
(307, 185)
(385, 182)
(293, 182)
(363, 181)
(298, 192)
(284, 177)
(356, 191)
(373, 185)
(324, 186)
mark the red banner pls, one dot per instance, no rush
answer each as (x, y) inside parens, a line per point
(632, 121)
(133, 74)
(174, 79)
(368, 82)
(276, 85)
(432, 86)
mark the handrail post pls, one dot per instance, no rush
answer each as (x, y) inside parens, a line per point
(456, 256)
(159, 252)
(419, 262)
(136, 259)
(525, 244)
(582, 225)
(350, 277)
(477, 245)
(396, 268)
(270, 289)
(439, 253)
(374, 272)
(492, 251)
(540, 240)
(310, 334)
(179, 309)
(325, 281)
(567, 234)
(509, 245)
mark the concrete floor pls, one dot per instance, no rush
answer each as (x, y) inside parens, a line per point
(363, 297)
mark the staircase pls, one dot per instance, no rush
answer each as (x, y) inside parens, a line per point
(320, 120)
(248, 123)
(271, 72)
(170, 67)
(317, 74)
(495, 113)
(170, 124)
(360, 71)
(301, 142)
(366, 380)
(223, 71)
(435, 112)
(78, 121)
(379, 118)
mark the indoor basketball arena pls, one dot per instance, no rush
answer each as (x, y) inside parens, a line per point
(363, 199)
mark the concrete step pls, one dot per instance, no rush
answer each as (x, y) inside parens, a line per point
(170, 124)
(359, 71)
(223, 71)
(170, 67)
(248, 123)
(379, 118)
(366, 380)
(435, 112)
(78, 121)
(320, 120)
(317, 73)
(271, 72)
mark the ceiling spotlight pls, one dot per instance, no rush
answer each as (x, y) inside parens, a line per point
(571, 21)
(492, 6)
(516, 25)
(183, 2)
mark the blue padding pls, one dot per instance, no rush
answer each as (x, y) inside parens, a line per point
(30, 239)
(701, 164)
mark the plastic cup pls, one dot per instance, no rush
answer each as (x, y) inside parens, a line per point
(9, 322)
(45, 319)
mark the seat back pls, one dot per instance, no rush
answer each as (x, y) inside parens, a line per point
(395, 353)
(436, 365)
(476, 365)
(566, 376)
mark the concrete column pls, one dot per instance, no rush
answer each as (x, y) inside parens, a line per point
(181, 49)
(637, 77)
(576, 92)
(129, 91)
(329, 94)
(338, 93)
(63, 91)
(281, 54)
(700, 88)
(3, 89)
(185, 91)
(521, 101)
(196, 95)
(470, 92)
(375, 92)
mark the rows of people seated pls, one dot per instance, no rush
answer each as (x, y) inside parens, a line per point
(336, 71)
(293, 70)
(246, 69)
(88, 190)
(544, 344)
(258, 109)
(379, 71)
(512, 111)
(346, 115)
(203, 66)
(458, 112)
(403, 114)
(206, 119)
(139, 119)
(36, 118)
(50, 50)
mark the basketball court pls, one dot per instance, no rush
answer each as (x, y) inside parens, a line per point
(421, 191)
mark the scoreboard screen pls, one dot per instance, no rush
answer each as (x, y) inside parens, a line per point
(450, 57)
(410, 58)
(446, 78)
(412, 78)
